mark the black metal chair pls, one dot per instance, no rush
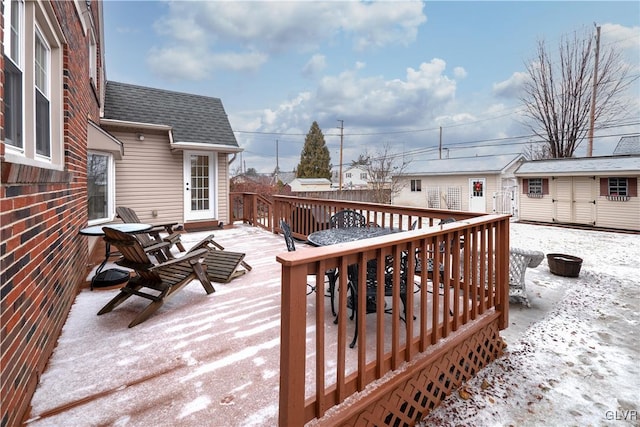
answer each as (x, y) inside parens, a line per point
(347, 218)
(291, 246)
(371, 304)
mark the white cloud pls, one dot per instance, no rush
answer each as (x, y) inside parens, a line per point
(459, 73)
(256, 30)
(316, 64)
(512, 87)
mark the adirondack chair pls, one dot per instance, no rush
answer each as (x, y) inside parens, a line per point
(152, 236)
(155, 282)
(222, 266)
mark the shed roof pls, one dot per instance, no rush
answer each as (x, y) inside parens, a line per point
(193, 118)
(312, 181)
(581, 166)
(493, 164)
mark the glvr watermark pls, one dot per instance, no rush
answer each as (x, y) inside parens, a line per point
(622, 415)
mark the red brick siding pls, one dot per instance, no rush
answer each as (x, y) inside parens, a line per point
(42, 258)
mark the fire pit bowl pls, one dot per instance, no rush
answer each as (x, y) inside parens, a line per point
(564, 265)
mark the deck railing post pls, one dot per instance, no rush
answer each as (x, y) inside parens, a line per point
(293, 345)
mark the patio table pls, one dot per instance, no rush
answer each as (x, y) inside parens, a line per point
(332, 236)
(112, 276)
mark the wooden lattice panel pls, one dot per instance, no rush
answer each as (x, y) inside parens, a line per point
(416, 397)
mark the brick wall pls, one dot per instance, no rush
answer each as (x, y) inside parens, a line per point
(42, 258)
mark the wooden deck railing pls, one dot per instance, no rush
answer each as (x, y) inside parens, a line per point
(469, 298)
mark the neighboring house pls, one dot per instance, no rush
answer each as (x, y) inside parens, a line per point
(48, 119)
(595, 191)
(475, 184)
(628, 145)
(309, 184)
(353, 178)
(177, 149)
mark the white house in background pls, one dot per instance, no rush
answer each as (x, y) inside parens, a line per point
(475, 184)
(353, 178)
(310, 184)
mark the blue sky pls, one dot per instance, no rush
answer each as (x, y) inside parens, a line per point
(394, 72)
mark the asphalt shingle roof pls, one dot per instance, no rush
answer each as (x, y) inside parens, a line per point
(628, 145)
(194, 118)
(454, 166)
(581, 166)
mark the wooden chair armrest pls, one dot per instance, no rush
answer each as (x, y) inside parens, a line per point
(156, 246)
(188, 257)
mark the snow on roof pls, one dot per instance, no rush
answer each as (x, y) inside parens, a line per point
(581, 166)
(462, 165)
(312, 181)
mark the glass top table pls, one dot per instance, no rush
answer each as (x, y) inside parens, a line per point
(112, 276)
(332, 236)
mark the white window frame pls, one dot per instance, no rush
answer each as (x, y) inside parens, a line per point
(38, 19)
(111, 187)
(42, 75)
(535, 186)
(14, 57)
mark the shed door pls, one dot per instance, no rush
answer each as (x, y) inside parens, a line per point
(200, 185)
(563, 200)
(477, 199)
(574, 200)
(584, 207)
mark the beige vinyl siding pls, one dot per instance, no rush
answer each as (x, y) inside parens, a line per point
(150, 177)
(617, 214)
(406, 197)
(222, 192)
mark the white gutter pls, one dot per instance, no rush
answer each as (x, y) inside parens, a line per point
(204, 147)
(136, 125)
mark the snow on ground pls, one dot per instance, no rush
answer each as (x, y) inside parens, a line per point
(576, 365)
(571, 358)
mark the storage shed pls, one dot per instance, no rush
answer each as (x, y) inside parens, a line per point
(595, 191)
(474, 184)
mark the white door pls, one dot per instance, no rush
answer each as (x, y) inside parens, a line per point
(200, 184)
(477, 199)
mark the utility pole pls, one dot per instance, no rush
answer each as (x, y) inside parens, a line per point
(440, 150)
(593, 96)
(277, 163)
(341, 140)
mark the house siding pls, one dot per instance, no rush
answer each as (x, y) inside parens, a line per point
(223, 188)
(43, 259)
(150, 177)
(406, 197)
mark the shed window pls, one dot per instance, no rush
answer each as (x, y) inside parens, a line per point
(618, 187)
(535, 187)
(416, 185)
(363, 175)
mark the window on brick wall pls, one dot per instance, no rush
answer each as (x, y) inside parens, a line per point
(33, 84)
(13, 59)
(416, 185)
(100, 187)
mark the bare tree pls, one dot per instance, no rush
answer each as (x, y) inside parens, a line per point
(558, 92)
(382, 166)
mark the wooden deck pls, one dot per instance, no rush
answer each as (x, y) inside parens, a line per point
(199, 358)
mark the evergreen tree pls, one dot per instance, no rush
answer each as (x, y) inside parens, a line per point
(315, 161)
